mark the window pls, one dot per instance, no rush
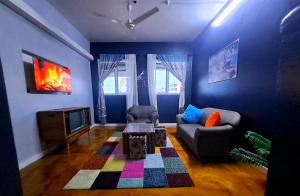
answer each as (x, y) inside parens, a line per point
(109, 86)
(166, 82)
(116, 82)
(173, 84)
(160, 80)
(122, 79)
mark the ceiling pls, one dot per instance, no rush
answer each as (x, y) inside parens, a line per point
(180, 21)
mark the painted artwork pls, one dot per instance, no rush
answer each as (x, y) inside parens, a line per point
(223, 65)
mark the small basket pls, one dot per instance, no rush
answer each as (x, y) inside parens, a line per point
(160, 137)
(137, 147)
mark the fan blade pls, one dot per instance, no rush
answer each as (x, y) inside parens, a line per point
(145, 16)
(114, 20)
(184, 2)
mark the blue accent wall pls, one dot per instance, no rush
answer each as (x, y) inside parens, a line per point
(256, 23)
(116, 105)
(266, 90)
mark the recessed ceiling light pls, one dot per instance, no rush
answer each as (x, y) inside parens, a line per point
(228, 10)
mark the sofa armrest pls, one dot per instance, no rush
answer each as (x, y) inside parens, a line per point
(179, 120)
(129, 118)
(213, 141)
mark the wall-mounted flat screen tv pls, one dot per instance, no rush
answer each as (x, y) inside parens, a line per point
(45, 76)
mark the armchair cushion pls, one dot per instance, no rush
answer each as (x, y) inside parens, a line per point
(142, 114)
(142, 111)
(192, 114)
(142, 120)
(135, 112)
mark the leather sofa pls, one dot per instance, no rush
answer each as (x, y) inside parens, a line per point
(209, 141)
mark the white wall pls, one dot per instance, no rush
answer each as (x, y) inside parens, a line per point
(16, 34)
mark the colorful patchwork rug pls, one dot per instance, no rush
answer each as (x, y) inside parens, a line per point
(109, 168)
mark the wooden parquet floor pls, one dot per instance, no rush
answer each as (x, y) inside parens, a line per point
(49, 175)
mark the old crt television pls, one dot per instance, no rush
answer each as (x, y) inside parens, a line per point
(76, 120)
(63, 125)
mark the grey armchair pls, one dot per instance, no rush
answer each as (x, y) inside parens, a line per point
(142, 114)
(209, 141)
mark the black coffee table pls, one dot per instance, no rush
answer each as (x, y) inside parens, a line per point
(139, 129)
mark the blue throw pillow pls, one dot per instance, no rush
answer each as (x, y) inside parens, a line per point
(192, 114)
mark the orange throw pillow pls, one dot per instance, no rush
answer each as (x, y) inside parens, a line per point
(213, 120)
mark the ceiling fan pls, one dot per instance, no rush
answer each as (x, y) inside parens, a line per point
(130, 23)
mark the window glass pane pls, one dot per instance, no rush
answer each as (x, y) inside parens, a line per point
(122, 78)
(159, 65)
(122, 67)
(109, 84)
(160, 80)
(122, 81)
(174, 84)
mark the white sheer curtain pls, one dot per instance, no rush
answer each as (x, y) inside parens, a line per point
(107, 63)
(177, 65)
(151, 66)
(132, 91)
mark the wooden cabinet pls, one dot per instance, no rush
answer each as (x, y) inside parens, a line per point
(63, 125)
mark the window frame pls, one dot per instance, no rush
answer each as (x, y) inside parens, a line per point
(166, 83)
(116, 76)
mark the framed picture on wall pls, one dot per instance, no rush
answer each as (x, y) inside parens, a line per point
(223, 64)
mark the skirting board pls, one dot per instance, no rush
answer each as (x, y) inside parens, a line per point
(171, 125)
(23, 164)
(28, 161)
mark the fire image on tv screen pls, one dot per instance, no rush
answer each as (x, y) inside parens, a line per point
(51, 77)
(44, 76)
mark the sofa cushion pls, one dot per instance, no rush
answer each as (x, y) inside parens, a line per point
(228, 117)
(192, 114)
(213, 120)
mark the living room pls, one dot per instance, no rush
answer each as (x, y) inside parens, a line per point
(78, 79)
